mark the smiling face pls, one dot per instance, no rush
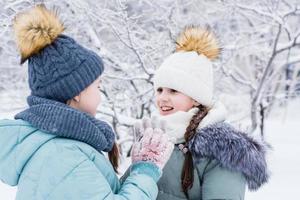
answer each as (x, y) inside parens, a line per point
(170, 101)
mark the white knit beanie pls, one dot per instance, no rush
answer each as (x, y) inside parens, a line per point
(189, 70)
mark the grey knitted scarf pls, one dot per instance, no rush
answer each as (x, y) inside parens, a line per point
(60, 119)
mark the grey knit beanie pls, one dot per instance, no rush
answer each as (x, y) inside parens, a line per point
(58, 67)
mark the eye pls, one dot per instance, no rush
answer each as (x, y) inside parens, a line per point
(99, 84)
(173, 91)
(159, 90)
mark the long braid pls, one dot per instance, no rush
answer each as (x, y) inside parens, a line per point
(187, 175)
(113, 156)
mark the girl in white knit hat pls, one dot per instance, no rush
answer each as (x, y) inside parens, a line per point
(211, 160)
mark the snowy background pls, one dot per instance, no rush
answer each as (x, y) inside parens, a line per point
(257, 76)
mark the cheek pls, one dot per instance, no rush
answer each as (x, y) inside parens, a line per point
(156, 100)
(95, 99)
(90, 102)
(183, 104)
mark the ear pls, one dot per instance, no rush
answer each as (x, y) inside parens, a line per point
(77, 98)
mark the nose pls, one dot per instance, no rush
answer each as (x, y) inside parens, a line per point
(163, 96)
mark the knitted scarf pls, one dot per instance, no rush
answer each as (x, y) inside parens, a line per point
(60, 119)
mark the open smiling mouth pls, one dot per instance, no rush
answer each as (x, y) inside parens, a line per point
(166, 108)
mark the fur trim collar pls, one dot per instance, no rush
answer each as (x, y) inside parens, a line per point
(234, 150)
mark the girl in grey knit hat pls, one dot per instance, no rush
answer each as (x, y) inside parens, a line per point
(54, 149)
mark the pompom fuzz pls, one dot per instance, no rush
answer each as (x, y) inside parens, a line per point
(201, 40)
(35, 29)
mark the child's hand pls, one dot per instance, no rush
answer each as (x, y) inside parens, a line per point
(141, 126)
(154, 146)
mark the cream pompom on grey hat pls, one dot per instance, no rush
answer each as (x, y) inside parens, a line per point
(189, 70)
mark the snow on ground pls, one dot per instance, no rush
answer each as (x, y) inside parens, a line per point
(284, 162)
(282, 132)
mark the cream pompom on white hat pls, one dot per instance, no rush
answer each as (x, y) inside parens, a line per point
(189, 70)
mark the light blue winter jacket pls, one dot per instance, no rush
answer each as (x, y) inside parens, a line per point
(44, 166)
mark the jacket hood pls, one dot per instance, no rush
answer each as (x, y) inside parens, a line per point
(18, 142)
(234, 150)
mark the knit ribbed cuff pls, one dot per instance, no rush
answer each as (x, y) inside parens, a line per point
(147, 168)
